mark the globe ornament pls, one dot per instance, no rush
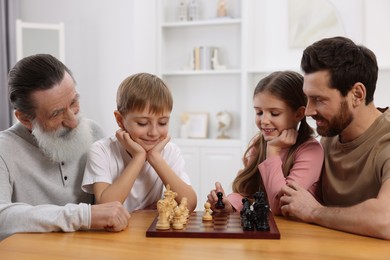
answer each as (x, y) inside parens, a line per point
(224, 120)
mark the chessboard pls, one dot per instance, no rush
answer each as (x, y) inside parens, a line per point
(223, 225)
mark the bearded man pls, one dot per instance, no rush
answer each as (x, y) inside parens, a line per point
(339, 82)
(43, 156)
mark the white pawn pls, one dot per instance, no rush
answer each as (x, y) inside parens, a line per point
(207, 214)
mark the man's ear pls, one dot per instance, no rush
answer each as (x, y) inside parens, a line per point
(358, 93)
(119, 119)
(23, 119)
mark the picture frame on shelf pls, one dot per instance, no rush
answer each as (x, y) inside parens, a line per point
(194, 125)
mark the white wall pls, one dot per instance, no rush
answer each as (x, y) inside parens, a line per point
(377, 38)
(105, 41)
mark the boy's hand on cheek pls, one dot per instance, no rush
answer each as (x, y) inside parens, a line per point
(129, 144)
(157, 149)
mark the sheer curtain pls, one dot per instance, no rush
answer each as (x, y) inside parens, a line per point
(7, 56)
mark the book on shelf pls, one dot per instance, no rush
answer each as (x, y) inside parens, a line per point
(204, 57)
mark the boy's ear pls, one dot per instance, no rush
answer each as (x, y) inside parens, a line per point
(119, 119)
(23, 119)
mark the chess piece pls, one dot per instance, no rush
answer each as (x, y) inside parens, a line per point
(163, 215)
(247, 219)
(169, 197)
(177, 219)
(207, 214)
(184, 210)
(245, 205)
(264, 224)
(261, 209)
(219, 204)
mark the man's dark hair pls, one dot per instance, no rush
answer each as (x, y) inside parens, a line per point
(346, 62)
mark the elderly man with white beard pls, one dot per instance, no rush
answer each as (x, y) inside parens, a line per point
(43, 156)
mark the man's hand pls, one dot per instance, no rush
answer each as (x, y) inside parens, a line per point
(110, 216)
(298, 202)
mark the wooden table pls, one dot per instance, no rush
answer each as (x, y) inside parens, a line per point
(298, 241)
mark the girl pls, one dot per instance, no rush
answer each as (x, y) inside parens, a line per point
(284, 149)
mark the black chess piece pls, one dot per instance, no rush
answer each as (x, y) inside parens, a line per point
(245, 205)
(247, 220)
(219, 204)
(246, 215)
(261, 209)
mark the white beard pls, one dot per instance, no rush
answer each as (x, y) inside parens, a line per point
(64, 144)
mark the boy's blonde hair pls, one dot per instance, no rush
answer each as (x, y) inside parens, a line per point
(143, 90)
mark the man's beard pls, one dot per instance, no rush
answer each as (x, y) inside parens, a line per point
(64, 144)
(337, 124)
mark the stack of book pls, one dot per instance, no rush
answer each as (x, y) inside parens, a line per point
(204, 57)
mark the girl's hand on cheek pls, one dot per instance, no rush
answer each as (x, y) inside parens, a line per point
(286, 139)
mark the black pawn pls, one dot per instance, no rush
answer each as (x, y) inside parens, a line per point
(219, 204)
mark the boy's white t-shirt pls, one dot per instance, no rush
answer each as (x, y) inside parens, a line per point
(107, 160)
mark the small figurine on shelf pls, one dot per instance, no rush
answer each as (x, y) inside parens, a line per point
(221, 10)
(224, 120)
(193, 11)
(182, 10)
(184, 125)
(215, 61)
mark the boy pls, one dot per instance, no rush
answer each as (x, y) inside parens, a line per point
(134, 165)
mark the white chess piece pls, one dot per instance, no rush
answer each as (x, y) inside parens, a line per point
(207, 214)
(184, 210)
(163, 215)
(177, 219)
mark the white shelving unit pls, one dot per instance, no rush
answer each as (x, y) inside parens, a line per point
(211, 91)
(253, 42)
